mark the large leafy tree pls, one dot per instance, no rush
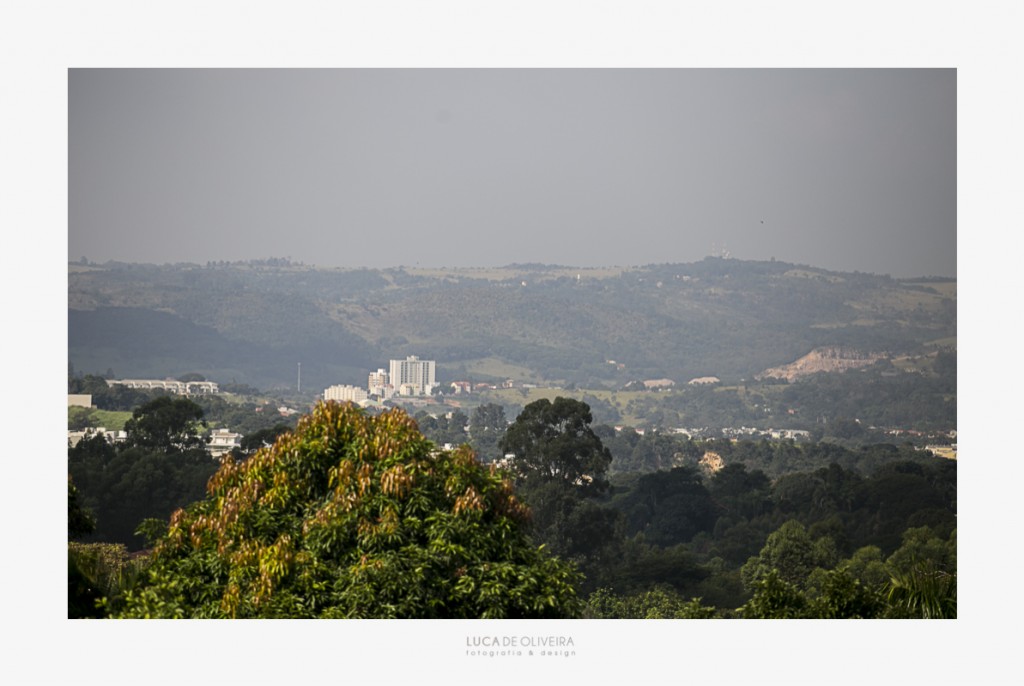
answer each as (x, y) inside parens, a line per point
(353, 515)
(553, 441)
(560, 466)
(791, 554)
(166, 423)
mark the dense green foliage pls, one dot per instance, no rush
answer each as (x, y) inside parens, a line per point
(732, 535)
(359, 515)
(560, 467)
(124, 485)
(97, 572)
(449, 429)
(165, 423)
(918, 581)
(98, 576)
(80, 522)
(247, 417)
(657, 603)
(487, 426)
(553, 442)
(862, 587)
(354, 516)
(656, 451)
(880, 396)
(161, 466)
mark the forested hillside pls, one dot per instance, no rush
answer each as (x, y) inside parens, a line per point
(731, 319)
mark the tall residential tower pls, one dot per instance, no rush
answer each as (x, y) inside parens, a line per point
(412, 376)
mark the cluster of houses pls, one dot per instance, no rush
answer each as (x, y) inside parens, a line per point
(732, 432)
(219, 443)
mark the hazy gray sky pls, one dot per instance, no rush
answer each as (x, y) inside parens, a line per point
(843, 169)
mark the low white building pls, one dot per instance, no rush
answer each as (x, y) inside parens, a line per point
(341, 393)
(171, 385)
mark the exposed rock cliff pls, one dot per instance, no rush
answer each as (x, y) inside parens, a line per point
(829, 359)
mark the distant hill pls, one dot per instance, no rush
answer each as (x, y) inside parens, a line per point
(732, 319)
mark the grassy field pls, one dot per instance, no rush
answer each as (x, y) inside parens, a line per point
(899, 300)
(93, 417)
(497, 368)
(946, 289)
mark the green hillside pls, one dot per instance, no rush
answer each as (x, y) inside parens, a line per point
(254, 322)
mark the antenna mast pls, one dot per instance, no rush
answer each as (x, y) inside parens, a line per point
(299, 388)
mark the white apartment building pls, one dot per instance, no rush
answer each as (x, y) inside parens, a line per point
(412, 376)
(352, 394)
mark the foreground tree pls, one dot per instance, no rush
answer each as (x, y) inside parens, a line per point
(354, 516)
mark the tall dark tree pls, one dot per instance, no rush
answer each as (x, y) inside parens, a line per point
(792, 554)
(553, 441)
(559, 465)
(487, 425)
(166, 423)
(740, 492)
(669, 507)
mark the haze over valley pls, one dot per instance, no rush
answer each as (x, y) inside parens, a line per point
(516, 343)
